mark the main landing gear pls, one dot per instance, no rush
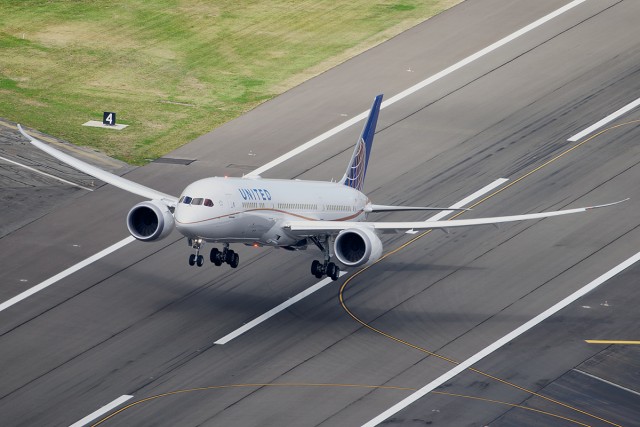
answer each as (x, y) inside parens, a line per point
(319, 269)
(226, 255)
(329, 268)
(216, 256)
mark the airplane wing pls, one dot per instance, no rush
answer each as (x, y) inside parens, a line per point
(118, 181)
(390, 208)
(314, 228)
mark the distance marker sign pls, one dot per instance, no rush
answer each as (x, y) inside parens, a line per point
(108, 118)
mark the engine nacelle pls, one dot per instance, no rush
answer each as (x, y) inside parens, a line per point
(357, 246)
(149, 221)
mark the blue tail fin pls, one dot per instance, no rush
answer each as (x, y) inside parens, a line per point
(357, 169)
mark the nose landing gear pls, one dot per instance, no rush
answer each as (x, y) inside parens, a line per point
(196, 259)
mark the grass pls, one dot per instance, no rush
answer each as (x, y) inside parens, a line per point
(174, 69)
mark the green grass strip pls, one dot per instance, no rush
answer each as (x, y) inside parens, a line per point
(174, 69)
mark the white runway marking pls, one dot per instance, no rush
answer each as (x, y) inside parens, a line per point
(484, 190)
(604, 121)
(45, 174)
(501, 342)
(50, 281)
(106, 408)
(258, 320)
(326, 281)
(607, 382)
(466, 61)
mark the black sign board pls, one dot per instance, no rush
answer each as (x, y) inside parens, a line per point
(108, 118)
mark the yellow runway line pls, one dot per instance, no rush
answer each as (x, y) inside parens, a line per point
(612, 342)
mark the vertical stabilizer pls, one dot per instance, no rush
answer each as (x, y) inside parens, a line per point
(357, 169)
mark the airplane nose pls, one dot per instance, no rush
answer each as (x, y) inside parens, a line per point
(179, 213)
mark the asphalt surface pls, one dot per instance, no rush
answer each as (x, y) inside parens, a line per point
(141, 322)
(26, 195)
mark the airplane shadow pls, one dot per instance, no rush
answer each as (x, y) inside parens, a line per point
(227, 293)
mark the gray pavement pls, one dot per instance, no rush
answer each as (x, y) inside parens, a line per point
(141, 322)
(26, 195)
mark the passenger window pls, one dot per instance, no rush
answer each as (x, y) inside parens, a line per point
(208, 202)
(186, 200)
(197, 201)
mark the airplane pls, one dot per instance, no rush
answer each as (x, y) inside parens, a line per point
(282, 213)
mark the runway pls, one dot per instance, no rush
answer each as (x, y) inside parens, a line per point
(140, 322)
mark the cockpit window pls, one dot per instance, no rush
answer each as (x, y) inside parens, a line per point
(208, 202)
(186, 200)
(197, 201)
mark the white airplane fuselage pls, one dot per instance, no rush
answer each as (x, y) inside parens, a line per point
(252, 210)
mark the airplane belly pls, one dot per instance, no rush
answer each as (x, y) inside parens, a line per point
(256, 226)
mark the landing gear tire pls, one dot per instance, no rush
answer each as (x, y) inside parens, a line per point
(315, 268)
(226, 256)
(192, 259)
(216, 257)
(333, 271)
(200, 260)
(319, 269)
(235, 261)
(331, 268)
(229, 256)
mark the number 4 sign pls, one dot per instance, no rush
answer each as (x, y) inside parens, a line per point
(108, 118)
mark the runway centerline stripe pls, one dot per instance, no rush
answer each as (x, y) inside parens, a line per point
(326, 281)
(630, 106)
(106, 408)
(258, 320)
(46, 174)
(462, 203)
(50, 281)
(502, 341)
(426, 82)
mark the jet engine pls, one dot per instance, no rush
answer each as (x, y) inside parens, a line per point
(150, 220)
(357, 246)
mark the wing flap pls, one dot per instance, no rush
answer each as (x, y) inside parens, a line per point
(391, 208)
(108, 177)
